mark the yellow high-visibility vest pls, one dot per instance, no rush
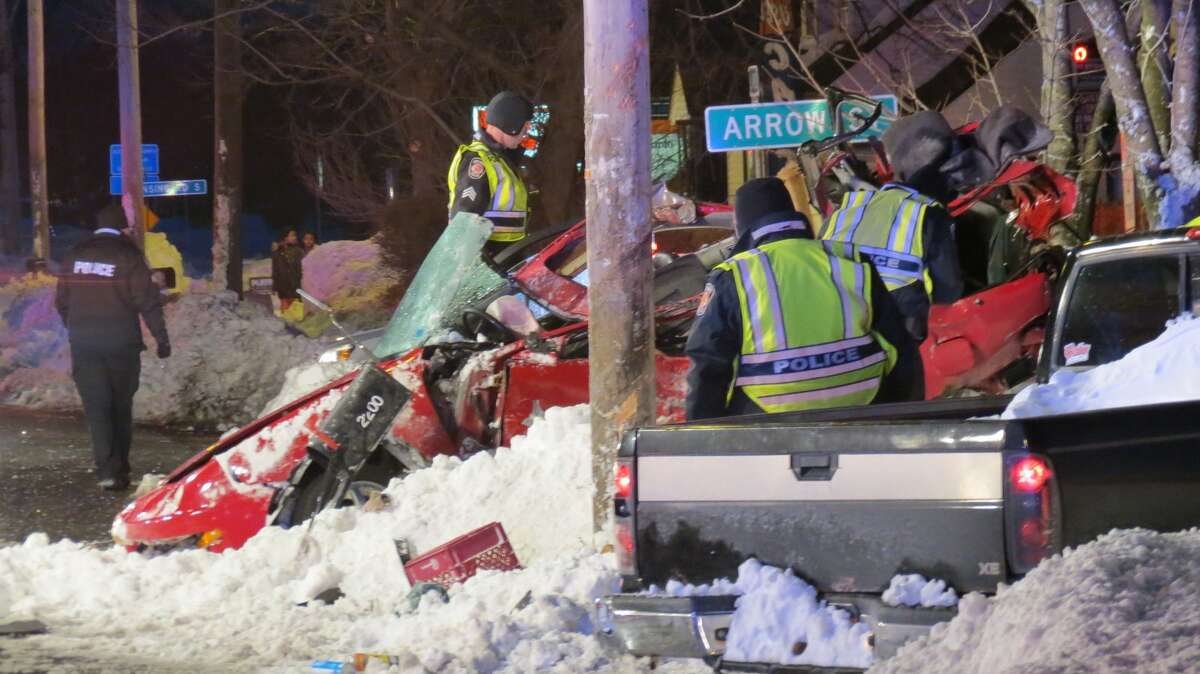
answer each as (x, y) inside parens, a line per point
(807, 341)
(509, 207)
(887, 227)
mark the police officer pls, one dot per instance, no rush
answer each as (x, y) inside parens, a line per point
(105, 285)
(903, 227)
(484, 178)
(785, 324)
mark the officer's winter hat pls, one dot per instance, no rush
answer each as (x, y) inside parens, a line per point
(763, 206)
(509, 111)
(112, 216)
(757, 198)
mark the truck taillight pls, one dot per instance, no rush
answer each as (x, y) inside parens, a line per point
(1029, 474)
(1030, 511)
(624, 480)
(623, 518)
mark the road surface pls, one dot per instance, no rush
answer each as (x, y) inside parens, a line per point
(46, 479)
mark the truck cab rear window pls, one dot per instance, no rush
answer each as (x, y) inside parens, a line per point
(1118, 305)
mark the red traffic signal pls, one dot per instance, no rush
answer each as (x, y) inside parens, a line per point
(1080, 53)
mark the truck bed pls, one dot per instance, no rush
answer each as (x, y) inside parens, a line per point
(850, 497)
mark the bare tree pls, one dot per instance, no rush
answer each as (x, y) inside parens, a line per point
(1170, 191)
(1058, 103)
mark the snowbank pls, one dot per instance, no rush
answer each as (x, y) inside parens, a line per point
(776, 613)
(1158, 372)
(912, 589)
(350, 276)
(228, 361)
(780, 619)
(238, 610)
(1127, 602)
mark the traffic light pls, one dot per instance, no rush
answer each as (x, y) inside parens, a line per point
(1084, 56)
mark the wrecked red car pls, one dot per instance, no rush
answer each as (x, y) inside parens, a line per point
(478, 391)
(465, 393)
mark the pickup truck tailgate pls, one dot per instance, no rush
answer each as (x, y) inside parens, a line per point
(849, 505)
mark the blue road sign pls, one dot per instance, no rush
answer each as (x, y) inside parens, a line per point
(149, 159)
(163, 188)
(760, 126)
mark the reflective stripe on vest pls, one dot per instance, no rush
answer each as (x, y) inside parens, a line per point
(509, 207)
(806, 336)
(887, 227)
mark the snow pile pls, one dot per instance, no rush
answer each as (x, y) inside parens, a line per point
(1158, 372)
(238, 610)
(304, 379)
(779, 619)
(350, 277)
(913, 589)
(1128, 601)
(229, 358)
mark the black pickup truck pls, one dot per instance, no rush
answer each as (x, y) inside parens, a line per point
(848, 498)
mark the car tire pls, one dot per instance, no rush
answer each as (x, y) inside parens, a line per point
(303, 501)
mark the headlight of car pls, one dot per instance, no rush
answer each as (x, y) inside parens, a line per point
(342, 353)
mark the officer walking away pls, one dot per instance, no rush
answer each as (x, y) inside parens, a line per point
(785, 324)
(904, 228)
(484, 176)
(105, 285)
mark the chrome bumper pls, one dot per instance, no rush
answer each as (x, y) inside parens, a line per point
(675, 627)
(696, 627)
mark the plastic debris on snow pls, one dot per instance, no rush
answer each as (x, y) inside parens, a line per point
(1160, 371)
(1126, 602)
(238, 609)
(912, 589)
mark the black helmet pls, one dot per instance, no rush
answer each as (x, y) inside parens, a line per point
(508, 111)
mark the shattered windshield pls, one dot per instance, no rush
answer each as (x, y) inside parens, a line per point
(452, 278)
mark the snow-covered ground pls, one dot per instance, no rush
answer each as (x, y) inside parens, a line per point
(1129, 601)
(238, 610)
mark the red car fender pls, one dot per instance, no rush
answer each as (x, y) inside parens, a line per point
(536, 382)
(973, 339)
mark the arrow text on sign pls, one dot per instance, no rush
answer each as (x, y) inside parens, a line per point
(774, 125)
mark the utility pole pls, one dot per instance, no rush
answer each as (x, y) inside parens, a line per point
(616, 100)
(39, 201)
(10, 169)
(129, 88)
(228, 92)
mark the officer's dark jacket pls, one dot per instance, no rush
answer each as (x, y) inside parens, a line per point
(715, 341)
(941, 258)
(474, 195)
(105, 284)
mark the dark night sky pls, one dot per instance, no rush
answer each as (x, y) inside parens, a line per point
(176, 78)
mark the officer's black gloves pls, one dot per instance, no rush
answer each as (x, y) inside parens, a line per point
(164, 349)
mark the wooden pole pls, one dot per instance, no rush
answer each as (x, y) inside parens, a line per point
(617, 150)
(228, 90)
(39, 199)
(129, 89)
(10, 166)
